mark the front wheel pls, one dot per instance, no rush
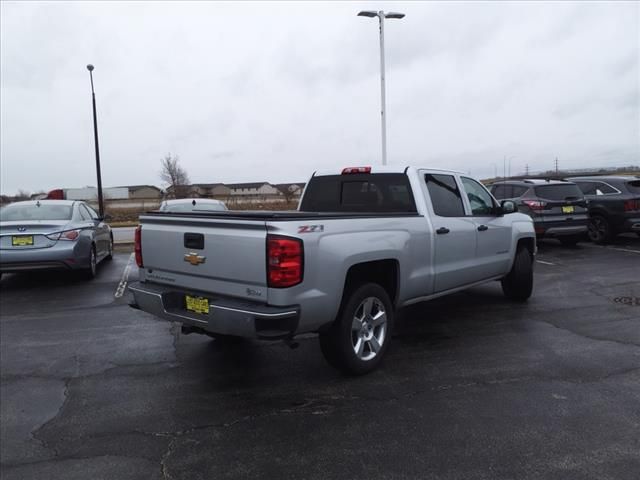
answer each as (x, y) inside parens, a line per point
(518, 284)
(360, 336)
(110, 250)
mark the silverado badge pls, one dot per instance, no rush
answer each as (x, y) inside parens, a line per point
(193, 258)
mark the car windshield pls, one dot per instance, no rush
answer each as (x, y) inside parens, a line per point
(34, 211)
(190, 207)
(559, 191)
(634, 186)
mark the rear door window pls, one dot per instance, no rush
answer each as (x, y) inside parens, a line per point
(559, 192)
(445, 195)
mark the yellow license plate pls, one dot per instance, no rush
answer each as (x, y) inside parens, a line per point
(22, 241)
(197, 304)
(568, 209)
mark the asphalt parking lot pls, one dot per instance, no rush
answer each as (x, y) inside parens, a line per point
(472, 387)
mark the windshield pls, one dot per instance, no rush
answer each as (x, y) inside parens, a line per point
(559, 191)
(190, 207)
(34, 211)
(634, 186)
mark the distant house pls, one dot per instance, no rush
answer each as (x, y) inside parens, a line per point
(248, 189)
(210, 190)
(291, 189)
(144, 192)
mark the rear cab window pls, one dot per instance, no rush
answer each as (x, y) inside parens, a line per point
(368, 192)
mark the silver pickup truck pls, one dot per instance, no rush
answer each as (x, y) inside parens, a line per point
(364, 242)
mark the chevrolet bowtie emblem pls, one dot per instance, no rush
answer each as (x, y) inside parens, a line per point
(193, 258)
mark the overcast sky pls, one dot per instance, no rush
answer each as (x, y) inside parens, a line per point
(273, 91)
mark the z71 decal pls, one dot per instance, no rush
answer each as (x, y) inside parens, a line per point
(310, 228)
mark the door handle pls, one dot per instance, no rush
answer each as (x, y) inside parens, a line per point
(483, 228)
(442, 230)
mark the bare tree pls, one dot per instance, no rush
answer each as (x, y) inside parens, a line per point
(174, 175)
(22, 195)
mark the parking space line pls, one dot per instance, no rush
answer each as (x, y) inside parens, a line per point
(623, 250)
(122, 286)
(545, 263)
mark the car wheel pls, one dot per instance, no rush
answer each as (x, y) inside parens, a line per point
(360, 336)
(569, 240)
(110, 250)
(90, 272)
(518, 284)
(599, 230)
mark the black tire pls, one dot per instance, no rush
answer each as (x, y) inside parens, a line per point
(90, 271)
(110, 251)
(518, 284)
(569, 240)
(369, 307)
(599, 230)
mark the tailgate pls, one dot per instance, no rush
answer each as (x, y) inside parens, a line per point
(219, 256)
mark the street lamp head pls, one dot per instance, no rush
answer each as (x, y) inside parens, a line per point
(368, 13)
(90, 67)
(394, 15)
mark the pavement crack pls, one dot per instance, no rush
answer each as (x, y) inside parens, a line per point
(590, 337)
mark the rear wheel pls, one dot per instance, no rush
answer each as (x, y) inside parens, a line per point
(599, 230)
(518, 284)
(360, 336)
(569, 240)
(90, 272)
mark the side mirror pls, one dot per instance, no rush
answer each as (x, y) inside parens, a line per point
(508, 206)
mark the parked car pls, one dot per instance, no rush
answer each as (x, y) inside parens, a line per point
(558, 208)
(614, 205)
(192, 205)
(366, 241)
(53, 234)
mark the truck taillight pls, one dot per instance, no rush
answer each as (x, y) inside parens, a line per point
(284, 261)
(138, 246)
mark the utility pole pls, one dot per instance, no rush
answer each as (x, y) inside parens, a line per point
(381, 17)
(95, 140)
(526, 168)
(556, 166)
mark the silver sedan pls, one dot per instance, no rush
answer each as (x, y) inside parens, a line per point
(53, 234)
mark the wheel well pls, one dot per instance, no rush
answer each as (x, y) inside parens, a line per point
(383, 272)
(528, 243)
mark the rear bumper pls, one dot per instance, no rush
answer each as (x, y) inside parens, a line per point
(226, 316)
(560, 229)
(632, 225)
(61, 256)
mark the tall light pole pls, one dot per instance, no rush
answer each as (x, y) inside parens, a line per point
(95, 138)
(381, 16)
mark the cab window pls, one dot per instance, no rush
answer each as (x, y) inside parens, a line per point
(479, 199)
(445, 196)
